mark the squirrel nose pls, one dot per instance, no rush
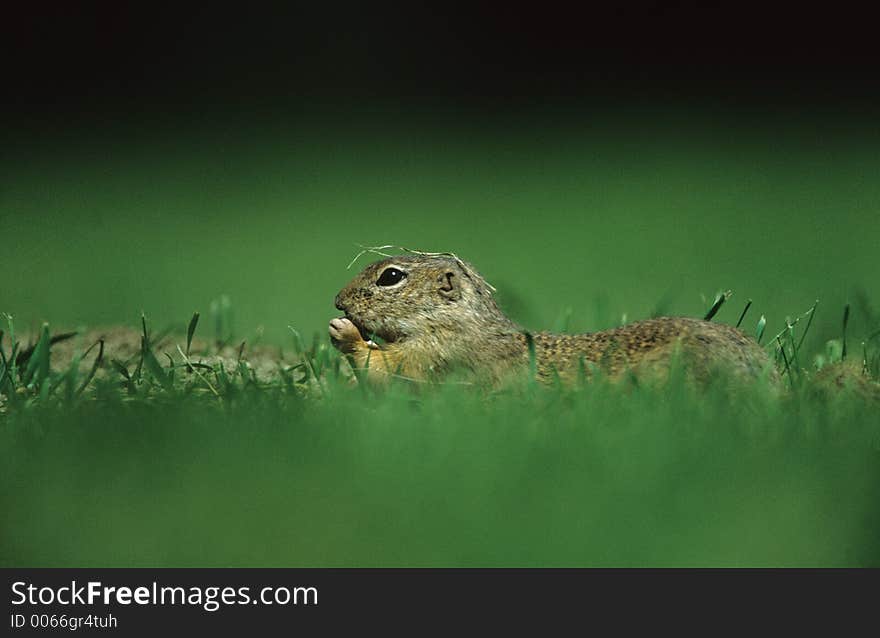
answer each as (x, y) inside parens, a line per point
(339, 305)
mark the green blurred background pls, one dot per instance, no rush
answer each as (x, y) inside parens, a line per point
(602, 213)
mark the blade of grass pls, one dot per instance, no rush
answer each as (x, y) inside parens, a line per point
(794, 352)
(759, 331)
(812, 312)
(25, 354)
(223, 378)
(582, 371)
(146, 340)
(38, 361)
(720, 298)
(247, 374)
(11, 366)
(319, 380)
(788, 324)
(191, 330)
(95, 365)
(198, 374)
(154, 367)
(139, 369)
(3, 362)
(785, 360)
(743, 315)
(69, 378)
(533, 360)
(845, 322)
(297, 340)
(122, 370)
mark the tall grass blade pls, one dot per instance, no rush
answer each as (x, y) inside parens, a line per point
(582, 371)
(845, 322)
(13, 344)
(191, 330)
(812, 312)
(3, 362)
(785, 360)
(759, 331)
(297, 340)
(720, 298)
(198, 374)
(794, 350)
(533, 359)
(121, 369)
(95, 365)
(149, 360)
(139, 369)
(743, 315)
(38, 362)
(24, 356)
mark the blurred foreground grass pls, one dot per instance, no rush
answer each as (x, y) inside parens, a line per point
(444, 478)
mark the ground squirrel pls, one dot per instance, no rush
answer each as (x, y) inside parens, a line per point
(435, 313)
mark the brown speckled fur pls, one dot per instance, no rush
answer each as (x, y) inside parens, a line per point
(442, 316)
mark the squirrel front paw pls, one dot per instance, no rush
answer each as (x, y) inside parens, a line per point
(345, 336)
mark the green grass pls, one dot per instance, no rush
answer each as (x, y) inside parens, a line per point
(443, 478)
(186, 463)
(158, 460)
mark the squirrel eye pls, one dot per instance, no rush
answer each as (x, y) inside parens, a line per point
(390, 276)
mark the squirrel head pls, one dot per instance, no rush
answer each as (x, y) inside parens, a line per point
(414, 296)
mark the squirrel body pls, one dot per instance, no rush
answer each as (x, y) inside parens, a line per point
(436, 314)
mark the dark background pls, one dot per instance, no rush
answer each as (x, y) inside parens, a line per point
(74, 60)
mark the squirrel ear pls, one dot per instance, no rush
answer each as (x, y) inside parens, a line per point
(449, 287)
